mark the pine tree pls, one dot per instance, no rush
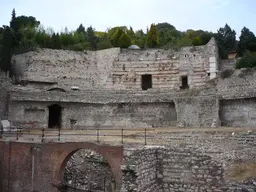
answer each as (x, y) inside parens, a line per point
(247, 41)
(226, 40)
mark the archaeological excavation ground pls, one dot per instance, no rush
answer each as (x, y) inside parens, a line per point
(129, 120)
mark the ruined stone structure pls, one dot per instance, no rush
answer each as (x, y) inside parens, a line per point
(192, 161)
(31, 167)
(129, 89)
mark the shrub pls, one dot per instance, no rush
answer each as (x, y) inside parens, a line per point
(247, 61)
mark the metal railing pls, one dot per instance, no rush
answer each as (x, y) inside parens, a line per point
(81, 135)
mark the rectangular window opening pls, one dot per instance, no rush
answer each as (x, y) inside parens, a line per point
(146, 82)
(184, 81)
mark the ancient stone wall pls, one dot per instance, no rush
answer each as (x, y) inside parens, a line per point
(236, 84)
(227, 64)
(194, 161)
(167, 67)
(237, 92)
(5, 83)
(197, 111)
(88, 170)
(28, 115)
(82, 116)
(87, 70)
(238, 113)
(110, 69)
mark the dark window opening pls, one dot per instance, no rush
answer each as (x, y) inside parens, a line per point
(184, 81)
(123, 67)
(209, 74)
(54, 120)
(146, 82)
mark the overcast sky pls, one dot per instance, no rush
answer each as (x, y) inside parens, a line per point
(101, 14)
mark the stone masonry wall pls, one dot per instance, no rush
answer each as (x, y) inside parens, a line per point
(237, 98)
(166, 67)
(141, 171)
(227, 64)
(193, 161)
(88, 170)
(165, 169)
(87, 70)
(126, 115)
(197, 111)
(237, 84)
(110, 69)
(5, 83)
(238, 113)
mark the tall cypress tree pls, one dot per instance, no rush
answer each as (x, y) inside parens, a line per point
(152, 37)
(92, 39)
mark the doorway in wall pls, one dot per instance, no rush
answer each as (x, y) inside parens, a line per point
(184, 81)
(54, 120)
(146, 82)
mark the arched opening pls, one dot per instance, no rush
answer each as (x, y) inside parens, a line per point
(56, 89)
(54, 120)
(87, 170)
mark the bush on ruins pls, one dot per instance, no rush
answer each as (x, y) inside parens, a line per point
(247, 61)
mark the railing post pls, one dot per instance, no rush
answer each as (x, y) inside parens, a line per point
(2, 131)
(98, 134)
(145, 135)
(122, 139)
(17, 134)
(59, 135)
(42, 135)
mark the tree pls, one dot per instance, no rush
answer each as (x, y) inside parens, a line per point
(78, 37)
(152, 37)
(43, 39)
(131, 33)
(226, 40)
(92, 39)
(124, 41)
(81, 29)
(104, 42)
(13, 19)
(116, 37)
(111, 32)
(183, 41)
(55, 41)
(247, 61)
(247, 41)
(7, 49)
(140, 39)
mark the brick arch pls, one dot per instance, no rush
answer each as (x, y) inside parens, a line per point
(37, 166)
(113, 155)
